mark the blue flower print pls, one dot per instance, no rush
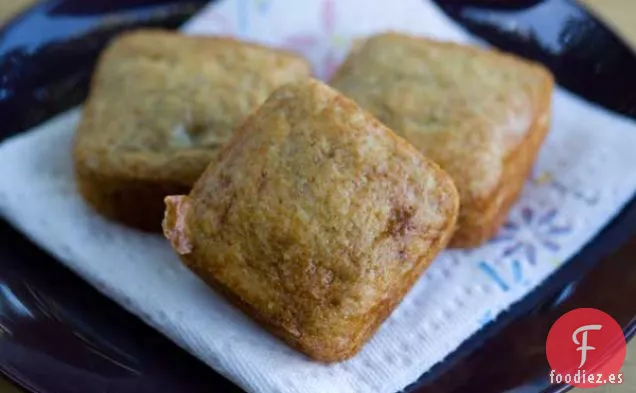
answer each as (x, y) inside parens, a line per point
(533, 229)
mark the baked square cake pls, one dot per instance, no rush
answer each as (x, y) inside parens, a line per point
(161, 106)
(315, 220)
(481, 114)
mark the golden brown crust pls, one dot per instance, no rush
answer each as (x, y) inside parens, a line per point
(491, 213)
(135, 203)
(315, 220)
(473, 111)
(161, 106)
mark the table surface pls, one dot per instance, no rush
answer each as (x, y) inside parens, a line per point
(620, 13)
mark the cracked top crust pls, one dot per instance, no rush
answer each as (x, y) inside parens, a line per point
(162, 104)
(316, 219)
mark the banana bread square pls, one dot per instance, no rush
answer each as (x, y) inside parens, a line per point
(480, 114)
(315, 220)
(161, 106)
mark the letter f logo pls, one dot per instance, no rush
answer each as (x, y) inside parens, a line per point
(583, 344)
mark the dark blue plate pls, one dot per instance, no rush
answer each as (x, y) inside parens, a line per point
(59, 335)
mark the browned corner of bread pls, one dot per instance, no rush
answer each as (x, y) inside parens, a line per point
(481, 114)
(315, 221)
(518, 162)
(138, 204)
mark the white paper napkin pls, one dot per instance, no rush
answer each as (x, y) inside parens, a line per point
(586, 173)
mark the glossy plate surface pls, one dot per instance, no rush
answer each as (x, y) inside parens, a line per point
(59, 335)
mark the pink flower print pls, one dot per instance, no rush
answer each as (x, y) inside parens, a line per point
(328, 15)
(325, 48)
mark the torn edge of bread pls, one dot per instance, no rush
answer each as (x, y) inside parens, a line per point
(174, 223)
